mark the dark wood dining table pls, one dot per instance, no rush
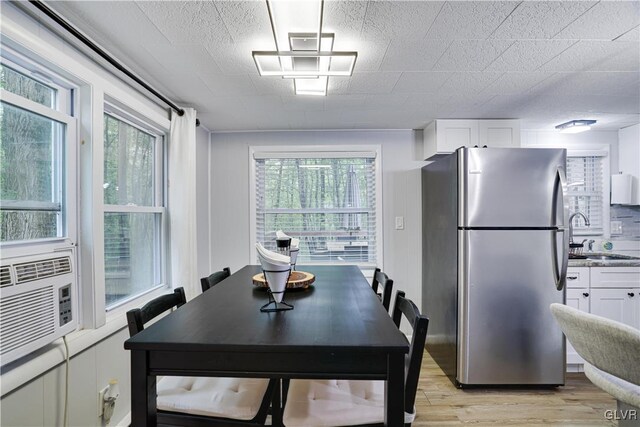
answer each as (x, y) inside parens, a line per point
(338, 329)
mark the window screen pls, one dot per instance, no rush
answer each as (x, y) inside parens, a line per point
(329, 203)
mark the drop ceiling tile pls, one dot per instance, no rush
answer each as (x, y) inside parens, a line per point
(189, 90)
(183, 58)
(399, 19)
(632, 35)
(339, 86)
(344, 102)
(470, 19)
(470, 82)
(370, 53)
(380, 82)
(413, 55)
(344, 18)
(513, 83)
(246, 21)
(271, 85)
(229, 85)
(421, 82)
(594, 83)
(605, 21)
(529, 55)
(427, 105)
(235, 58)
(471, 55)
(540, 19)
(391, 101)
(187, 21)
(596, 56)
(302, 103)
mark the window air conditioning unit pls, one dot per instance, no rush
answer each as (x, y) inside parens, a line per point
(38, 302)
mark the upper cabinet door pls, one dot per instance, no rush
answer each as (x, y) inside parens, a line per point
(629, 153)
(499, 133)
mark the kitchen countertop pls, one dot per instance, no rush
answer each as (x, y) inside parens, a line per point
(624, 261)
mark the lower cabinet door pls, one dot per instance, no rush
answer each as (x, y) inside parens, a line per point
(579, 299)
(621, 305)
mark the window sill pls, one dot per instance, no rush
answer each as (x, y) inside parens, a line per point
(25, 369)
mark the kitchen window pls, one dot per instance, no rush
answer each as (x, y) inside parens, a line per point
(329, 200)
(585, 190)
(134, 208)
(37, 146)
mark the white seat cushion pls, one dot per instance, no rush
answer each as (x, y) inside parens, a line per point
(334, 403)
(237, 398)
(617, 387)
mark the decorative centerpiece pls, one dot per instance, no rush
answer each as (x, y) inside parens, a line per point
(294, 246)
(276, 268)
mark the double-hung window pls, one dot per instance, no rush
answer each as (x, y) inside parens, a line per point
(327, 199)
(586, 190)
(37, 155)
(134, 207)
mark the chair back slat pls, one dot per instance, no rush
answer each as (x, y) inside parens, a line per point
(419, 323)
(214, 278)
(380, 279)
(138, 317)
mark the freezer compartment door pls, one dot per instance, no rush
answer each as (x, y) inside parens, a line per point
(506, 333)
(511, 187)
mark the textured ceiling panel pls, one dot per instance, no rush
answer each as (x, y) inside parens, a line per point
(420, 82)
(541, 19)
(541, 61)
(413, 55)
(605, 21)
(470, 20)
(529, 55)
(471, 55)
(187, 21)
(596, 56)
(410, 20)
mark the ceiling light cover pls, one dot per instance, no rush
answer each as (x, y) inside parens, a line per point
(326, 63)
(575, 126)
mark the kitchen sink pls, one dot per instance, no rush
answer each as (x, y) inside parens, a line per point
(603, 257)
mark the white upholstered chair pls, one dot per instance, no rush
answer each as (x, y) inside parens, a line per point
(611, 351)
(312, 403)
(195, 401)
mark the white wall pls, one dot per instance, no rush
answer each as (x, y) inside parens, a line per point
(229, 234)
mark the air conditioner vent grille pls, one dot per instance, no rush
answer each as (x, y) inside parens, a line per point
(41, 269)
(26, 317)
(5, 276)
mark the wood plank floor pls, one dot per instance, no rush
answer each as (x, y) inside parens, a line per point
(439, 403)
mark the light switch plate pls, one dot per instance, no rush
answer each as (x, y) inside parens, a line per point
(399, 223)
(616, 228)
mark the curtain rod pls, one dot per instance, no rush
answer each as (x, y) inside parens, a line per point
(104, 55)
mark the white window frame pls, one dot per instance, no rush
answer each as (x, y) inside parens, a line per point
(116, 109)
(66, 181)
(300, 151)
(603, 152)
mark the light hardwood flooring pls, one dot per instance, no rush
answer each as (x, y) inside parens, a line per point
(439, 403)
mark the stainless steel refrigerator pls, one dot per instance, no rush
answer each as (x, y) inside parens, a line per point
(495, 255)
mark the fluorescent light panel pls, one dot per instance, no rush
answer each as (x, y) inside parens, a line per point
(575, 126)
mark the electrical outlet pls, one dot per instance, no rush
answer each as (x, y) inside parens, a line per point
(399, 223)
(101, 394)
(616, 228)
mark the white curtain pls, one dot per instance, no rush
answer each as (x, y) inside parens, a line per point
(182, 202)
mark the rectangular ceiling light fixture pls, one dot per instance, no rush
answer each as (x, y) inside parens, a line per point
(310, 59)
(575, 126)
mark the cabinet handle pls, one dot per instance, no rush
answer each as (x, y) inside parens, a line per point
(572, 277)
(631, 294)
(585, 294)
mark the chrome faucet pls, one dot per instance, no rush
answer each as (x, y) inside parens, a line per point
(590, 243)
(573, 215)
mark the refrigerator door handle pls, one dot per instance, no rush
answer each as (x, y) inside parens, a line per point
(560, 190)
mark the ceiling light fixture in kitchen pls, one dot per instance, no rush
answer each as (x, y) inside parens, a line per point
(303, 52)
(575, 126)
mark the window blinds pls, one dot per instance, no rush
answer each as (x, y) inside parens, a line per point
(585, 192)
(328, 202)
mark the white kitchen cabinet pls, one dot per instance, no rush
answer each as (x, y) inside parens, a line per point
(578, 277)
(619, 304)
(629, 153)
(615, 277)
(578, 299)
(443, 137)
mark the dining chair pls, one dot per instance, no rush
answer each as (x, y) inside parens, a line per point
(194, 401)
(611, 351)
(214, 278)
(381, 280)
(312, 403)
